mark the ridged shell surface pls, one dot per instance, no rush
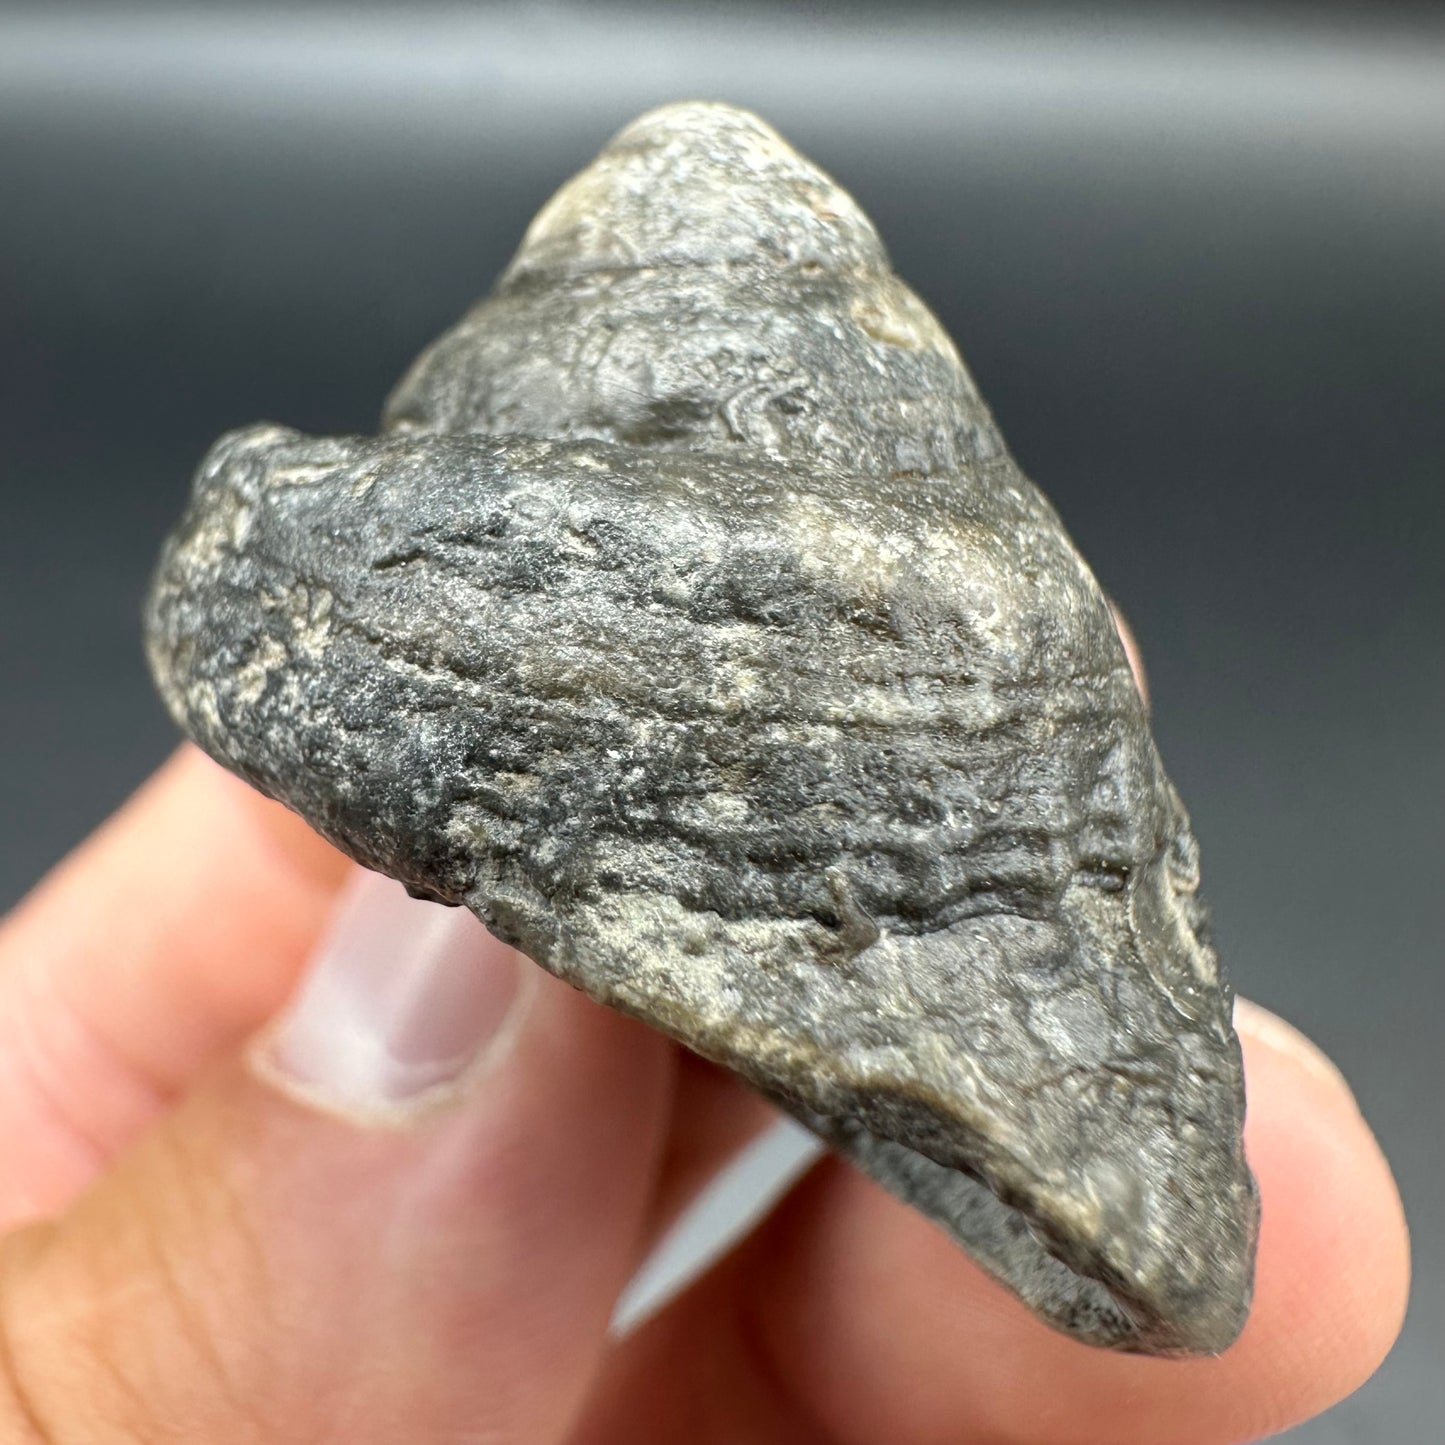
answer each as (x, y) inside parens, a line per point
(690, 622)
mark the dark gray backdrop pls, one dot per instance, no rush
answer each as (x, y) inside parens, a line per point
(1193, 256)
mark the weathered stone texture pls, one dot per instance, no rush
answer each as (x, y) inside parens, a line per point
(690, 622)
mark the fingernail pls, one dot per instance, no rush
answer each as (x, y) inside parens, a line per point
(1284, 1038)
(400, 1000)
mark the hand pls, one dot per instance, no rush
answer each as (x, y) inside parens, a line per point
(404, 1212)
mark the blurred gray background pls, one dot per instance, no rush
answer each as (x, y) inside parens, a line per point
(1193, 254)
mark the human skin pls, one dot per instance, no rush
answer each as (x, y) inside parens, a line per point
(200, 1250)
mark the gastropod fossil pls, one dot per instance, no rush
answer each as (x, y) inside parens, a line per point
(690, 622)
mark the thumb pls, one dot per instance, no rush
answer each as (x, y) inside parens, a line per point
(405, 1214)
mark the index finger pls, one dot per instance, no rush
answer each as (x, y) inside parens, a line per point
(171, 933)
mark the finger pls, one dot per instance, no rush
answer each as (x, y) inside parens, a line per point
(714, 1117)
(861, 1319)
(168, 936)
(407, 1218)
(1131, 649)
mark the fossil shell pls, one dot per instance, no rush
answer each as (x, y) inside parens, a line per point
(690, 622)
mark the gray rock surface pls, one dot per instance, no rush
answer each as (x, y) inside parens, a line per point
(690, 622)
